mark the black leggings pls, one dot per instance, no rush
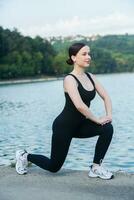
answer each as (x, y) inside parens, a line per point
(61, 141)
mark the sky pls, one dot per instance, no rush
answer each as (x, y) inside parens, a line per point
(68, 17)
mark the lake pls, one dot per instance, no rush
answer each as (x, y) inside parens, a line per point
(27, 112)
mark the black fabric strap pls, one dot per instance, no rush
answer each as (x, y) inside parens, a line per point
(75, 78)
(90, 78)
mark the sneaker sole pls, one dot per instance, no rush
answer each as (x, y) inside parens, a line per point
(104, 178)
(20, 172)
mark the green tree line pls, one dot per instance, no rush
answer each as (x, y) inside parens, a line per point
(29, 57)
(23, 56)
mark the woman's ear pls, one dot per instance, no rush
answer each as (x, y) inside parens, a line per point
(73, 58)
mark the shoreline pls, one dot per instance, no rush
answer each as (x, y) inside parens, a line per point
(29, 80)
(44, 79)
(65, 184)
(31, 165)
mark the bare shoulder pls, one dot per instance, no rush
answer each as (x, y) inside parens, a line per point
(68, 78)
(69, 81)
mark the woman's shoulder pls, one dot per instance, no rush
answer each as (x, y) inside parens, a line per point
(70, 77)
(69, 82)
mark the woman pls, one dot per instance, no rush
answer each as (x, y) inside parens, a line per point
(76, 120)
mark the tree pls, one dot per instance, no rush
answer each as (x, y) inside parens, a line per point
(60, 65)
(102, 62)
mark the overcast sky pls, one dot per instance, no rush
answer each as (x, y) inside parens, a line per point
(68, 17)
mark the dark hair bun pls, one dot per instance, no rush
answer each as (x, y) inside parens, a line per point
(69, 61)
(73, 50)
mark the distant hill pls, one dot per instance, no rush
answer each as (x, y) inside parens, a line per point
(24, 56)
(110, 53)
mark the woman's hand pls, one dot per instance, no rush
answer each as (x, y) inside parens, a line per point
(104, 120)
(109, 117)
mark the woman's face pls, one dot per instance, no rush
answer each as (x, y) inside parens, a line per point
(82, 58)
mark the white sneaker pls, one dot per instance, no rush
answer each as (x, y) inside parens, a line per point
(21, 162)
(99, 171)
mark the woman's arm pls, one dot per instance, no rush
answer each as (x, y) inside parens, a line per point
(70, 86)
(104, 95)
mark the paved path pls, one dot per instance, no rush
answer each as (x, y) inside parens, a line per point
(64, 185)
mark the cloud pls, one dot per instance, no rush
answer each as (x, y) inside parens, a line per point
(115, 23)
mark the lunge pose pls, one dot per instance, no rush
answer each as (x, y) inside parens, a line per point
(76, 120)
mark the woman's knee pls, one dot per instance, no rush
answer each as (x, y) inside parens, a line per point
(55, 166)
(54, 169)
(108, 129)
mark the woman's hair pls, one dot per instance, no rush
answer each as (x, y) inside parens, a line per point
(73, 50)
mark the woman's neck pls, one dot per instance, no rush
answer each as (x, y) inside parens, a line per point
(79, 71)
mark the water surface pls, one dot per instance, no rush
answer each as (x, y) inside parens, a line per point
(27, 112)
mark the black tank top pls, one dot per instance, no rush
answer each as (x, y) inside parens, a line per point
(70, 117)
(87, 96)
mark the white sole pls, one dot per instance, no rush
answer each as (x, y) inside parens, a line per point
(104, 178)
(92, 175)
(20, 172)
